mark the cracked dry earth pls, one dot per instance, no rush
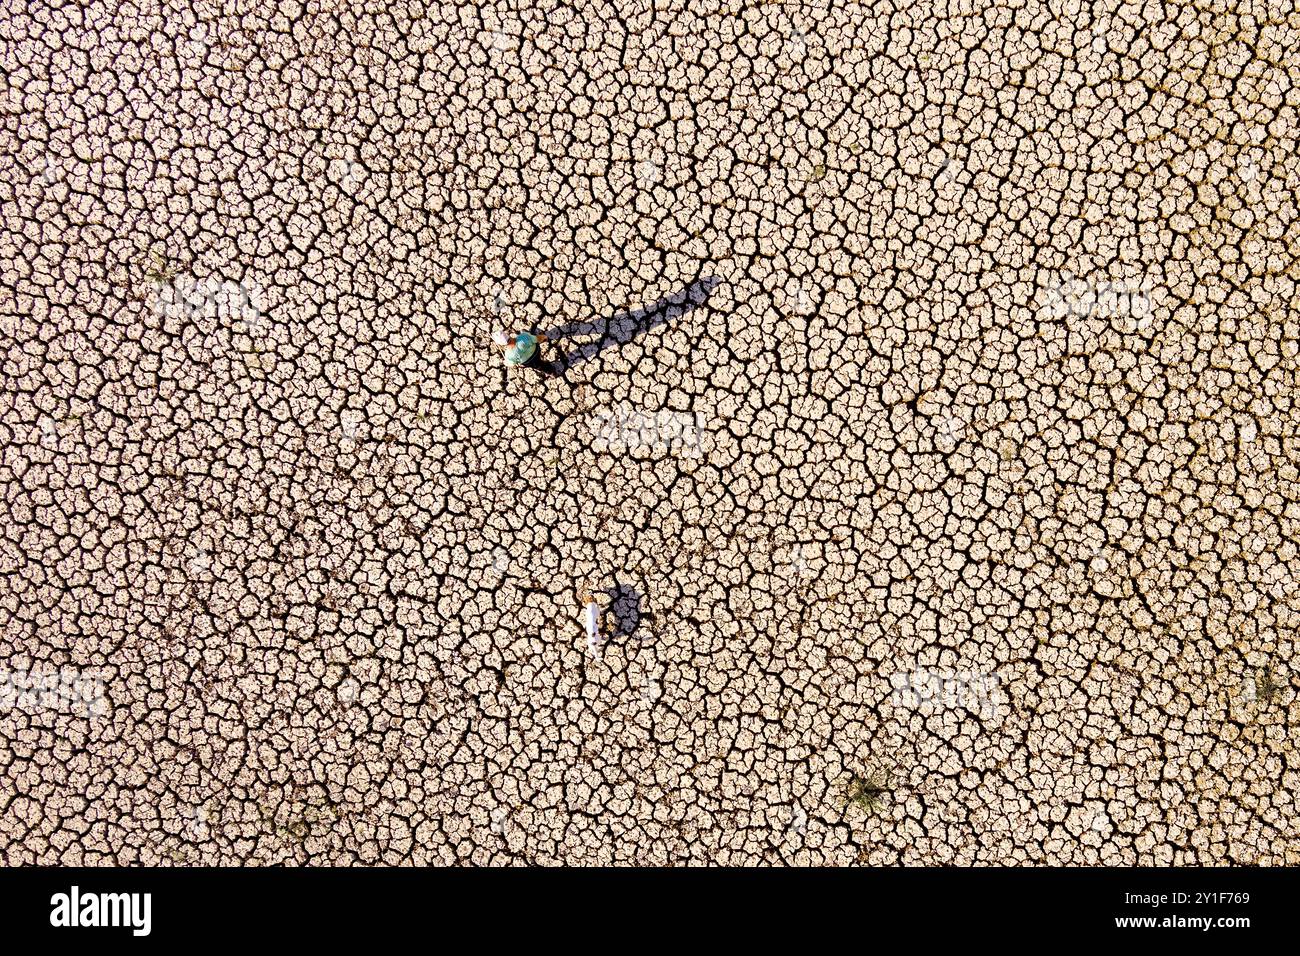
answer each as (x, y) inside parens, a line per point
(923, 423)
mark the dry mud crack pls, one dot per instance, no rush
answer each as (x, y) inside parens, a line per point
(923, 420)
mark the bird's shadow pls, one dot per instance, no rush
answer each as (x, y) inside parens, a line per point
(625, 606)
(626, 326)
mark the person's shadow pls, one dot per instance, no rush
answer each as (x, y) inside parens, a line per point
(626, 326)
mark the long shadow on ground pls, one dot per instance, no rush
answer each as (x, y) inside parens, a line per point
(626, 326)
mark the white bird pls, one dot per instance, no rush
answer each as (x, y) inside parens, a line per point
(593, 628)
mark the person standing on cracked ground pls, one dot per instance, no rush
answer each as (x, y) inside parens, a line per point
(522, 348)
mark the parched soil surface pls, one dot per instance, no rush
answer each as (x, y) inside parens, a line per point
(920, 412)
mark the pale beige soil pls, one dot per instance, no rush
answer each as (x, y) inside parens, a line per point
(994, 386)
